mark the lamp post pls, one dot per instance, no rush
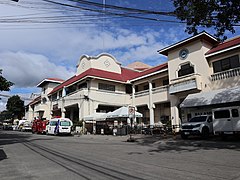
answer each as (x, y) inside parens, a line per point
(131, 116)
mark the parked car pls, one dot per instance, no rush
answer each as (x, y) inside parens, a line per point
(226, 120)
(58, 126)
(198, 126)
(27, 126)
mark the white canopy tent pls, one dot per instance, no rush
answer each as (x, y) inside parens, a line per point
(95, 117)
(121, 112)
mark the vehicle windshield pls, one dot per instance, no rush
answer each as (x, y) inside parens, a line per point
(65, 123)
(53, 123)
(198, 119)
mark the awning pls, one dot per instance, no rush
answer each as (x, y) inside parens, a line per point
(213, 97)
(122, 112)
(95, 117)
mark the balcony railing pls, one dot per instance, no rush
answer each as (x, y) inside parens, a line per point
(160, 89)
(154, 90)
(226, 74)
(185, 83)
(142, 93)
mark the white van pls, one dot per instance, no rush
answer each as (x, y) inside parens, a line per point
(59, 126)
(226, 120)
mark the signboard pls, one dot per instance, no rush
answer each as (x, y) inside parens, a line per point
(131, 111)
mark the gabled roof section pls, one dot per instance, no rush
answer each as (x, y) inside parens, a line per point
(203, 35)
(97, 73)
(49, 80)
(35, 101)
(139, 66)
(150, 72)
(225, 46)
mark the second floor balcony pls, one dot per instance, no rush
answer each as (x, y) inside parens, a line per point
(185, 83)
(226, 74)
(40, 107)
(159, 94)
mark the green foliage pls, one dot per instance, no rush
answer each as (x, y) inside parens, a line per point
(5, 115)
(16, 106)
(4, 84)
(222, 15)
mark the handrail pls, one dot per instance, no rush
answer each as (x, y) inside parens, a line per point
(226, 74)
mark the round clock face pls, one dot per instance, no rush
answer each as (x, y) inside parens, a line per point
(183, 54)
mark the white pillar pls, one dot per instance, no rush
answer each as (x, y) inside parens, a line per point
(151, 106)
(133, 95)
(175, 119)
(63, 112)
(64, 91)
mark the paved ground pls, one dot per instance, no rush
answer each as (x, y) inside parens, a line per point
(31, 156)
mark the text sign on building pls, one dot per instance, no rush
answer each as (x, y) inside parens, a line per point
(131, 112)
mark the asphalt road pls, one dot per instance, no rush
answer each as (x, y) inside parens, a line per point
(30, 156)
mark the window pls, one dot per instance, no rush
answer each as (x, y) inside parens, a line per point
(83, 85)
(226, 64)
(44, 90)
(129, 89)
(185, 70)
(44, 100)
(222, 114)
(165, 82)
(65, 123)
(235, 113)
(107, 87)
(146, 87)
(54, 96)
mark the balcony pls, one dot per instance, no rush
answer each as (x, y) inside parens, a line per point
(40, 107)
(226, 74)
(159, 94)
(185, 83)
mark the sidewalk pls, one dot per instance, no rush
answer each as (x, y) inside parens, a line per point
(139, 138)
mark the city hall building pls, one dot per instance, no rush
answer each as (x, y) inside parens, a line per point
(200, 74)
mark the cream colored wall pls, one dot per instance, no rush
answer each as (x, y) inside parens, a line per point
(228, 82)
(196, 58)
(103, 62)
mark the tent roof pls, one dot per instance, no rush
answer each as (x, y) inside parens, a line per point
(213, 97)
(122, 112)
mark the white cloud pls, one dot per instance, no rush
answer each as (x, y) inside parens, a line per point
(27, 69)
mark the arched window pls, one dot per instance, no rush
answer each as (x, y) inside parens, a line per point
(185, 69)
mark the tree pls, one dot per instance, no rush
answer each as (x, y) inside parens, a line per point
(15, 106)
(222, 15)
(4, 84)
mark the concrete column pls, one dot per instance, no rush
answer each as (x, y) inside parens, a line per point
(175, 119)
(151, 106)
(133, 95)
(63, 112)
(64, 91)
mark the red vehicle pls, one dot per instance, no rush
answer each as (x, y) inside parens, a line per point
(39, 126)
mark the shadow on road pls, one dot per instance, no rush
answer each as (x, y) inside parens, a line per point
(2, 155)
(175, 143)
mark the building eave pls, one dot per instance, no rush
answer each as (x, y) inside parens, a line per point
(203, 34)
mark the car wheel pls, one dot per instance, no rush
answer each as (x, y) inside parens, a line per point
(183, 136)
(205, 132)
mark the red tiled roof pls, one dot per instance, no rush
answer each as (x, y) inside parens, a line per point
(34, 101)
(123, 77)
(151, 70)
(224, 45)
(127, 74)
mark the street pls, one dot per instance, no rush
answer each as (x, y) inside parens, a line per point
(32, 156)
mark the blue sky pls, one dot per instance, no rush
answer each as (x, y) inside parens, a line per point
(33, 47)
